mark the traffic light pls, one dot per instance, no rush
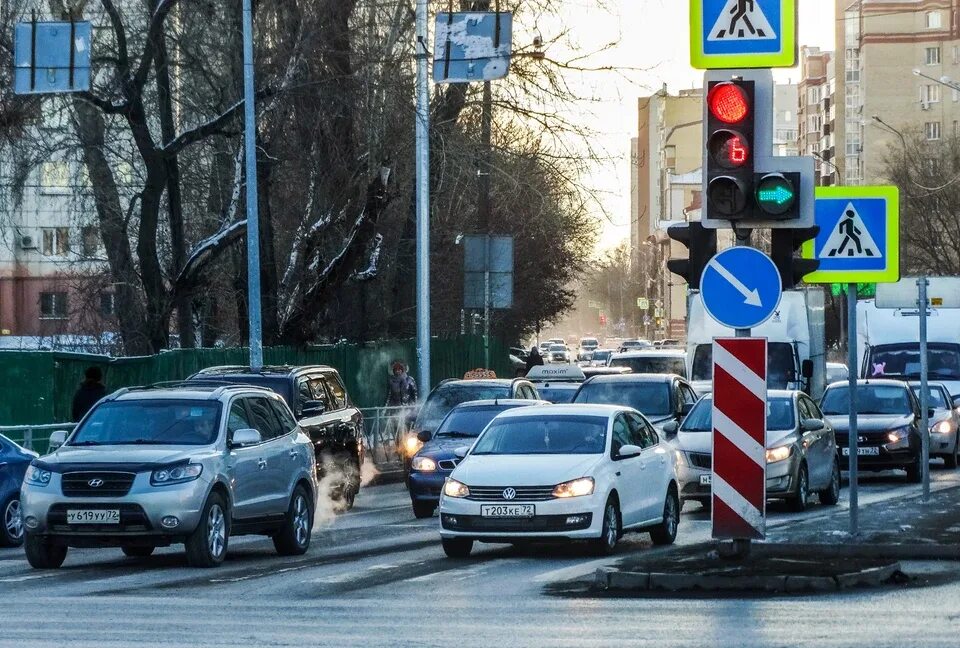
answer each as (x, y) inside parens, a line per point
(777, 196)
(702, 244)
(786, 243)
(730, 153)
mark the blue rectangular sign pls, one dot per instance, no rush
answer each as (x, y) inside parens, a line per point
(44, 55)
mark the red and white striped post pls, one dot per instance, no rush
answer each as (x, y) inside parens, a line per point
(739, 483)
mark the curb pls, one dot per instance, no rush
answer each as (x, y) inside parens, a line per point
(891, 551)
(387, 477)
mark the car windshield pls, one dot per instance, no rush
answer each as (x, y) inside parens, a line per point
(871, 399)
(601, 356)
(445, 399)
(652, 364)
(651, 398)
(904, 360)
(557, 347)
(544, 435)
(780, 415)
(836, 374)
(557, 394)
(934, 397)
(780, 364)
(150, 422)
(589, 343)
(469, 421)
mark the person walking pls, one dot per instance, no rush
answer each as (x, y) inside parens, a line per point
(90, 391)
(534, 359)
(401, 388)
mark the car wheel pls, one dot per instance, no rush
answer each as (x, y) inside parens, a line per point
(423, 510)
(457, 547)
(609, 530)
(11, 534)
(915, 470)
(207, 545)
(137, 551)
(798, 503)
(950, 460)
(666, 532)
(831, 494)
(42, 552)
(294, 538)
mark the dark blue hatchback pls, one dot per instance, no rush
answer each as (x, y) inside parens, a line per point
(431, 466)
(14, 461)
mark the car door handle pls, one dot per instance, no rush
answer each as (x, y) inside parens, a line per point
(294, 454)
(262, 464)
(618, 474)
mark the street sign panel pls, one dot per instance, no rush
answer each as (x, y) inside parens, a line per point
(472, 46)
(643, 303)
(52, 57)
(739, 484)
(741, 288)
(485, 255)
(942, 292)
(743, 34)
(859, 239)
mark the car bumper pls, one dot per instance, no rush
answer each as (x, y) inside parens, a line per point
(575, 518)
(780, 481)
(427, 486)
(942, 442)
(886, 460)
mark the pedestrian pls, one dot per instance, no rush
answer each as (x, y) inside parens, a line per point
(90, 391)
(401, 388)
(534, 359)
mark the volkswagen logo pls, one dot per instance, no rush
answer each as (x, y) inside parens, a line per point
(95, 483)
(509, 493)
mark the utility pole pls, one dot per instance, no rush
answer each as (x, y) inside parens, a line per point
(253, 216)
(483, 209)
(423, 197)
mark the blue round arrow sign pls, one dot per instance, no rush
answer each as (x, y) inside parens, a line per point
(741, 287)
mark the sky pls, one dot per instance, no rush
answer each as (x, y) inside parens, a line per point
(649, 43)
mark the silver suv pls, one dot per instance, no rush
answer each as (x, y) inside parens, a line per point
(151, 467)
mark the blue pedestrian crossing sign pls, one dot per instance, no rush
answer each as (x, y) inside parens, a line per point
(743, 34)
(741, 288)
(859, 238)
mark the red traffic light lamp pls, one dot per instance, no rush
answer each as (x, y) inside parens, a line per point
(729, 164)
(729, 103)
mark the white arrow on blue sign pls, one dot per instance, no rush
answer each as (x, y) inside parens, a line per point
(741, 287)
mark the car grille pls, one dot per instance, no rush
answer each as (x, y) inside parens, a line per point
(448, 464)
(700, 460)
(111, 484)
(541, 523)
(524, 493)
(132, 518)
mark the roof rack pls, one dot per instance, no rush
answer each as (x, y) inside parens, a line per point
(218, 387)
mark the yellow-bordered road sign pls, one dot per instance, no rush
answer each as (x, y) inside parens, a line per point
(859, 239)
(743, 34)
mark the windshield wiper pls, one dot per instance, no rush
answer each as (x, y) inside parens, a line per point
(144, 442)
(85, 443)
(458, 435)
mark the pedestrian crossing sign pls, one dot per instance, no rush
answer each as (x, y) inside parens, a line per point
(743, 34)
(859, 238)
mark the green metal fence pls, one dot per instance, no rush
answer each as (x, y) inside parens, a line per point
(37, 387)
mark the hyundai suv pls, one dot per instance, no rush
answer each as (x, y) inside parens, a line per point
(151, 467)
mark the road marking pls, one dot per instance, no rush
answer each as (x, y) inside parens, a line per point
(20, 579)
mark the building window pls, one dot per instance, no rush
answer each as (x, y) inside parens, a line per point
(108, 303)
(55, 178)
(852, 66)
(90, 240)
(956, 55)
(930, 93)
(931, 166)
(56, 241)
(53, 305)
(852, 172)
(933, 56)
(956, 127)
(956, 94)
(934, 20)
(932, 130)
(813, 96)
(787, 116)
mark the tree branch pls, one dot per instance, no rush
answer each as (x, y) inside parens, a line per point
(153, 37)
(213, 127)
(123, 56)
(107, 107)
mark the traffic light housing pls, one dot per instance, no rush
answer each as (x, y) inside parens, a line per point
(730, 149)
(702, 244)
(785, 244)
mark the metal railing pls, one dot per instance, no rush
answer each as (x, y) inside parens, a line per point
(34, 437)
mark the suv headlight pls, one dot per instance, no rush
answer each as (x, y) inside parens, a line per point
(175, 474)
(574, 488)
(423, 464)
(37, 476)
(453, 488)
(898, 439)
(779, 454)
(943, 427)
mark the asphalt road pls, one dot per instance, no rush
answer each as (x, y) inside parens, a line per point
(378, 577)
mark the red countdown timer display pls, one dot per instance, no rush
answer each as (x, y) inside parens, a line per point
(729, 149)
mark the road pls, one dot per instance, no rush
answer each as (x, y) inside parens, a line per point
(378, 577)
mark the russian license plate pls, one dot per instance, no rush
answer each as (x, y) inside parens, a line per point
(706, 480)
(508, 511)
(93, 516)
(863, 452)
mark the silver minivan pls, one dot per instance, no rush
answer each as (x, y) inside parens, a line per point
(151, 467)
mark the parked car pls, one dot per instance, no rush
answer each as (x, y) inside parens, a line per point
(801, 451)
(888, 425)
(652, 361)
(557, 383)
(560, 473)
(587, 346)
(148, 468)
(434, 462)
(836, 372)
(659, 397)
(325, 412)
(944, 424)
(14, 461)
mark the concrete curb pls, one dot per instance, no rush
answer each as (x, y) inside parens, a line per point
(891, 551)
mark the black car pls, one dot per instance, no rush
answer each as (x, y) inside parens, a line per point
(324, 411)
(888, 425)
(659, 397)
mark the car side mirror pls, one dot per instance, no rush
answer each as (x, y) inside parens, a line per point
(424, 436)
(628, 451)
(812, 425)
(462, 451)
(670, 428)
(57, 439)
(245, 437)
(806, 369)
(313, 408)
(931, 412)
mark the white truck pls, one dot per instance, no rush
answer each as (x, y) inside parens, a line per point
(888, 344)
(796, 340)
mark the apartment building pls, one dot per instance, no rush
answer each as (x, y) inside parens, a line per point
(785, 115)
(816, 108)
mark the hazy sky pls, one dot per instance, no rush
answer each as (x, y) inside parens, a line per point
(652, 35)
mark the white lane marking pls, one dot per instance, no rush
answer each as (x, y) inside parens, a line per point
(20, 579)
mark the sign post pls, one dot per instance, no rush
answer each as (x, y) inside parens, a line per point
(923, 305)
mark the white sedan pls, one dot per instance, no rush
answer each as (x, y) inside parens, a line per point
(561, 472)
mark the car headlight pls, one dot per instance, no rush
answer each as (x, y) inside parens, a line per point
(37, 476)
(899, 438)
(423, 464)
(453, 488)
(175, 474)
(779, 454)
(943, 427)
(412, 445)
(575, 488)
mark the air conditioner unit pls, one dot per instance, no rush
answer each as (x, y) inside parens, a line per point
(27, 243)
(924, 105)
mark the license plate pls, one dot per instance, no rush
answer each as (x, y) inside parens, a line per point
(508, 511)
(863, 452)
(706, 480)
(93, 516)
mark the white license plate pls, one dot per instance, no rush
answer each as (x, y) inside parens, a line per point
(93, 516)
(706, 480)
(863, 452)
(508, 511)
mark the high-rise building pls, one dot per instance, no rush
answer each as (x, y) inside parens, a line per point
(785, 119)
(816, 107)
